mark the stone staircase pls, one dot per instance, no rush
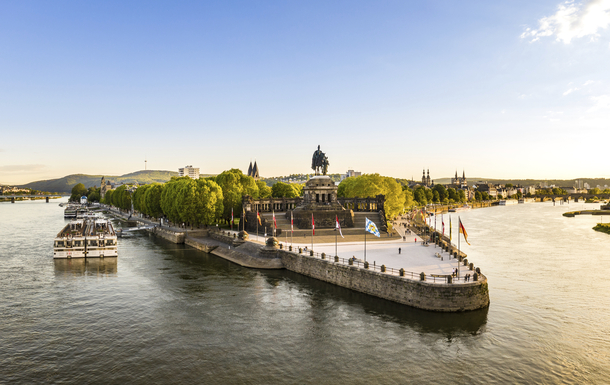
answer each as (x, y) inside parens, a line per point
(359, 220)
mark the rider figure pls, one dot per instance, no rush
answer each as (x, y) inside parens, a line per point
(316, 160)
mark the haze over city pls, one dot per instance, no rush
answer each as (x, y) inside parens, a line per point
(507, 90)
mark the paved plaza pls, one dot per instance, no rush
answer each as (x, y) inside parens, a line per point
(413, 255)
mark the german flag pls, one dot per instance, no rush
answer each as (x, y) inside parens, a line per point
(259, 218)
(463, 231)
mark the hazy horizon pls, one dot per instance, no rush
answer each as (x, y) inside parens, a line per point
(517, 90)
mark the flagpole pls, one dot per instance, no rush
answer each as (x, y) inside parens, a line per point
(365, 244)
(313, 228)
(435, 227)
(458, 259)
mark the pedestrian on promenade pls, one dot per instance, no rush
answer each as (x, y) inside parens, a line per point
(415, 240)
(399, 250)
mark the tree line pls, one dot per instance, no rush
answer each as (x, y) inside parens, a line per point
(204, 201)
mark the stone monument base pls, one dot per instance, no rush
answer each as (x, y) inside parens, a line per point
(324, 219)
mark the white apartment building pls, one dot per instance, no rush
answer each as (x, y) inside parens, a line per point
(190, 171)
(350, 173)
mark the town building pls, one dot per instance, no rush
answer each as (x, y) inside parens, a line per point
(253, 171)
(459, 181)
(425, 180)
(105, 186)
(350, 173)
(190, 171)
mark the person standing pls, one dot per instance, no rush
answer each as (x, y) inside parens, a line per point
(399, 250)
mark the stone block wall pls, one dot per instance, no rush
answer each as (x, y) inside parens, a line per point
(419, 294)
(169, 235)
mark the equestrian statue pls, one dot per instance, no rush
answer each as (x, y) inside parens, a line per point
(319, 162)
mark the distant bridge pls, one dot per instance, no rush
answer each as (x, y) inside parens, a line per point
(45, 196)
(570, 197)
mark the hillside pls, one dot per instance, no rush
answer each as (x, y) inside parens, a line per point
(65, 184)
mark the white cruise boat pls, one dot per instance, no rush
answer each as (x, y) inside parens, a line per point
(70, 242)
(86, 239)
(101, 239)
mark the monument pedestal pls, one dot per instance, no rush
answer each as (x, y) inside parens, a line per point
(320, 200)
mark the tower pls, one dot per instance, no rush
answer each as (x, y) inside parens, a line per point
(253, 171)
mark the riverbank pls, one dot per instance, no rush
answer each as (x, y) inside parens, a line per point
(572, 214)
(435, 290)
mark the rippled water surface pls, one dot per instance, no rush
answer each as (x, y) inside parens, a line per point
(163, 313)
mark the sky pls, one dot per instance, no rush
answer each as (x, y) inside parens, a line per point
(512, 89)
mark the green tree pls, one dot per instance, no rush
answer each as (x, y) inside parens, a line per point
(461, 195)
(419, 195)
(435, 196)
(409, 198)
(477, 196)
(429, 195)
(78, 191)
(371, 185)
(93, 194)
(121, 198)
(210, 194)
(138, 199)
(152, 200)
(169, 198)
(285, 190)
(108, 197)
(442, 192)
(264, 191)
(234, 186)
(594, 191)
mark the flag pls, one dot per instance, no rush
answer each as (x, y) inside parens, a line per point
(313, 225)
(259, 218)
(463, 231)
(338, 226)
(450, 229)
(371, 227)
(443, 222)
(232, 219)
(291, 223)
(274, 222)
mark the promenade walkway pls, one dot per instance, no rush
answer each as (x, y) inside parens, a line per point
(413, 256)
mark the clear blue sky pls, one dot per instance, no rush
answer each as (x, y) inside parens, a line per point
(513, 89)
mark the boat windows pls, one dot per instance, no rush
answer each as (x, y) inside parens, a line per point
(59, 243)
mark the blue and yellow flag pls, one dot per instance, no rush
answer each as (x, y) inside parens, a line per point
(371, 227)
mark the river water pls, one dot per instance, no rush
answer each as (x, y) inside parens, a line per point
(163, 313)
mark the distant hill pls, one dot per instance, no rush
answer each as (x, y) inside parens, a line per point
(65, 184)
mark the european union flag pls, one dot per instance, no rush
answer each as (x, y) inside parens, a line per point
(371, 227)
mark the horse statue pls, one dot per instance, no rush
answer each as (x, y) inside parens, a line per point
(319, 162)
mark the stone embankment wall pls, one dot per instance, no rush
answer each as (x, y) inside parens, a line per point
(419, 294)
(168, 234)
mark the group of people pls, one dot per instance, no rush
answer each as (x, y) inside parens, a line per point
(466, 277)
